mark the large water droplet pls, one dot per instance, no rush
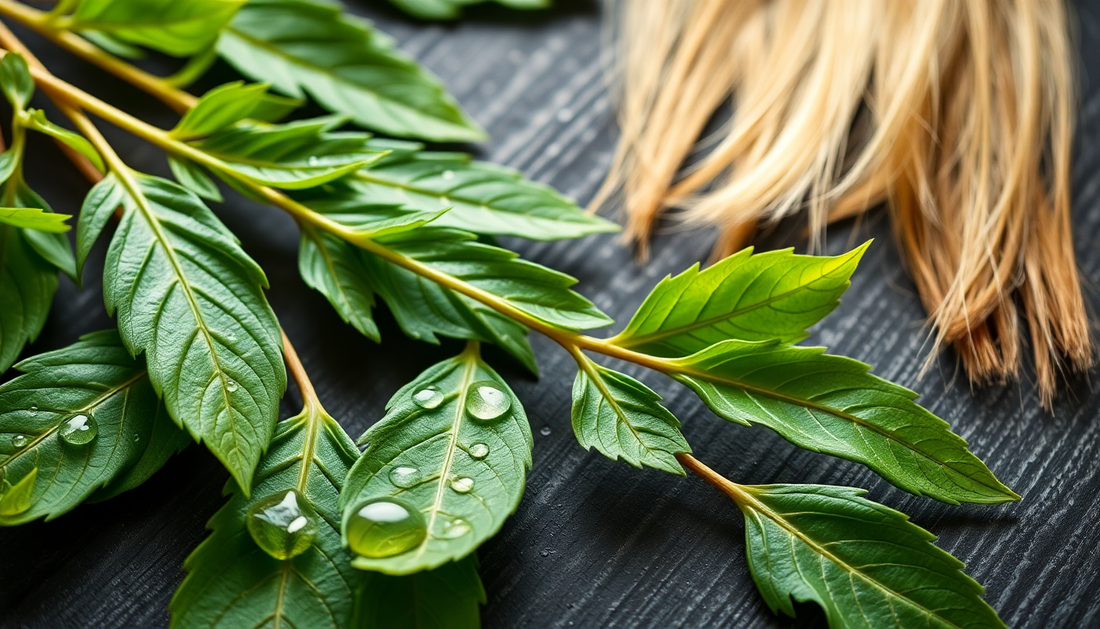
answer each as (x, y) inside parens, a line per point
(78, 430)
(19, 441)
(487, 401)
(231, 386)
(462, 484)
(431, 397)
(283, 524)
(384, 528)
(455, 528)
(405, 477)
(479, 451)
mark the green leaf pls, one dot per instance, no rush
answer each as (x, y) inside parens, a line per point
(296, 155)
(865, 564)
(34, 218)
(16, 81)
(189, 296)
(36, 120)
(27, 285)
(169, 26)
(773, 295)
(448, 597)
(484, 198)
(53, 247)
(219, 108)
(165, 440)
(832, 404)
(350, 277)
(233, 583)
(540, 292)
(94, 383)
(456, 465)
(191, 176)
(623, 418)
(309, 47)
(451, 9)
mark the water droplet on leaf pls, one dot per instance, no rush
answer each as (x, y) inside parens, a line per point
(313, 160)
(487, 401)
(33, 410)
(283, 524)
(405, 477)
(384, 528)
(231, 386)
(430, 397)
(462, 484)
(19, 441)
(453, 529)
(137, 437)
(78, 430)
(479, 451)
(448, 174)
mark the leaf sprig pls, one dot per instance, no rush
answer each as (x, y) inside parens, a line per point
(315, 533)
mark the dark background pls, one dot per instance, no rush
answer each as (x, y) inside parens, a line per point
(594, 543)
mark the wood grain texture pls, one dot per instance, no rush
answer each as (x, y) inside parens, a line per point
(595, 543)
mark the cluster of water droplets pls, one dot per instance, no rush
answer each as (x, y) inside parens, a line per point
(283, 524)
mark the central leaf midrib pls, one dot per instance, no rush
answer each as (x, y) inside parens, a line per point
(778, 518)
(593, 372)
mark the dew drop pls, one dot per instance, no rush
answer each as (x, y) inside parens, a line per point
(137, 437)
(545, 432)
(384, 528)
(283, 524)
(479, 451)
(405, 477)
(453, 529)
(313, 160)
(78, 430)
(487, 401)
(430, 397)
(33, 410)
(19, 441)
(462, 484)
(448, 174)
(231, 386)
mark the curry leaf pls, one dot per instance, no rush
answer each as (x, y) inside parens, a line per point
(451, 9)
(296, 155)
(451, 454)
(235, 582)
(27, 285)
(866, 565)
(36, 120)
(169, 26)
(192, 300)
(623, 418)
(312, 47)
(483, 198)
(16, 81)
(448, 597)
(77, 418)
(34, 218)
(191, 176)
(219, 108)
(832, 404)
(773, 295)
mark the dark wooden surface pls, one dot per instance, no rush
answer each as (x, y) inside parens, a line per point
(594, 543)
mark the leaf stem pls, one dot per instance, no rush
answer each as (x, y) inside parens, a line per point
(305, 386)
(739, 493)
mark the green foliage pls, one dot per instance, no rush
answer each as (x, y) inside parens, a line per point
(27, 285)
(34, 218)
(94, 381)
(866, 565)
(623, 418)
(445, 598)
(36, 121)
(483, 198)
(451, 9)
(233, 583)
(187, 295)
(773, 295)
(296, 155)
(312, 47)
(453, 449)
(16, 81)
(219, 108)
(169, 26)
(832, 404)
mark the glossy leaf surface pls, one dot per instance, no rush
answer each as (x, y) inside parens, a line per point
(448, 597)
(169, 26)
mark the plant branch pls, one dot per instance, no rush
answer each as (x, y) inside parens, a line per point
(298, 371)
